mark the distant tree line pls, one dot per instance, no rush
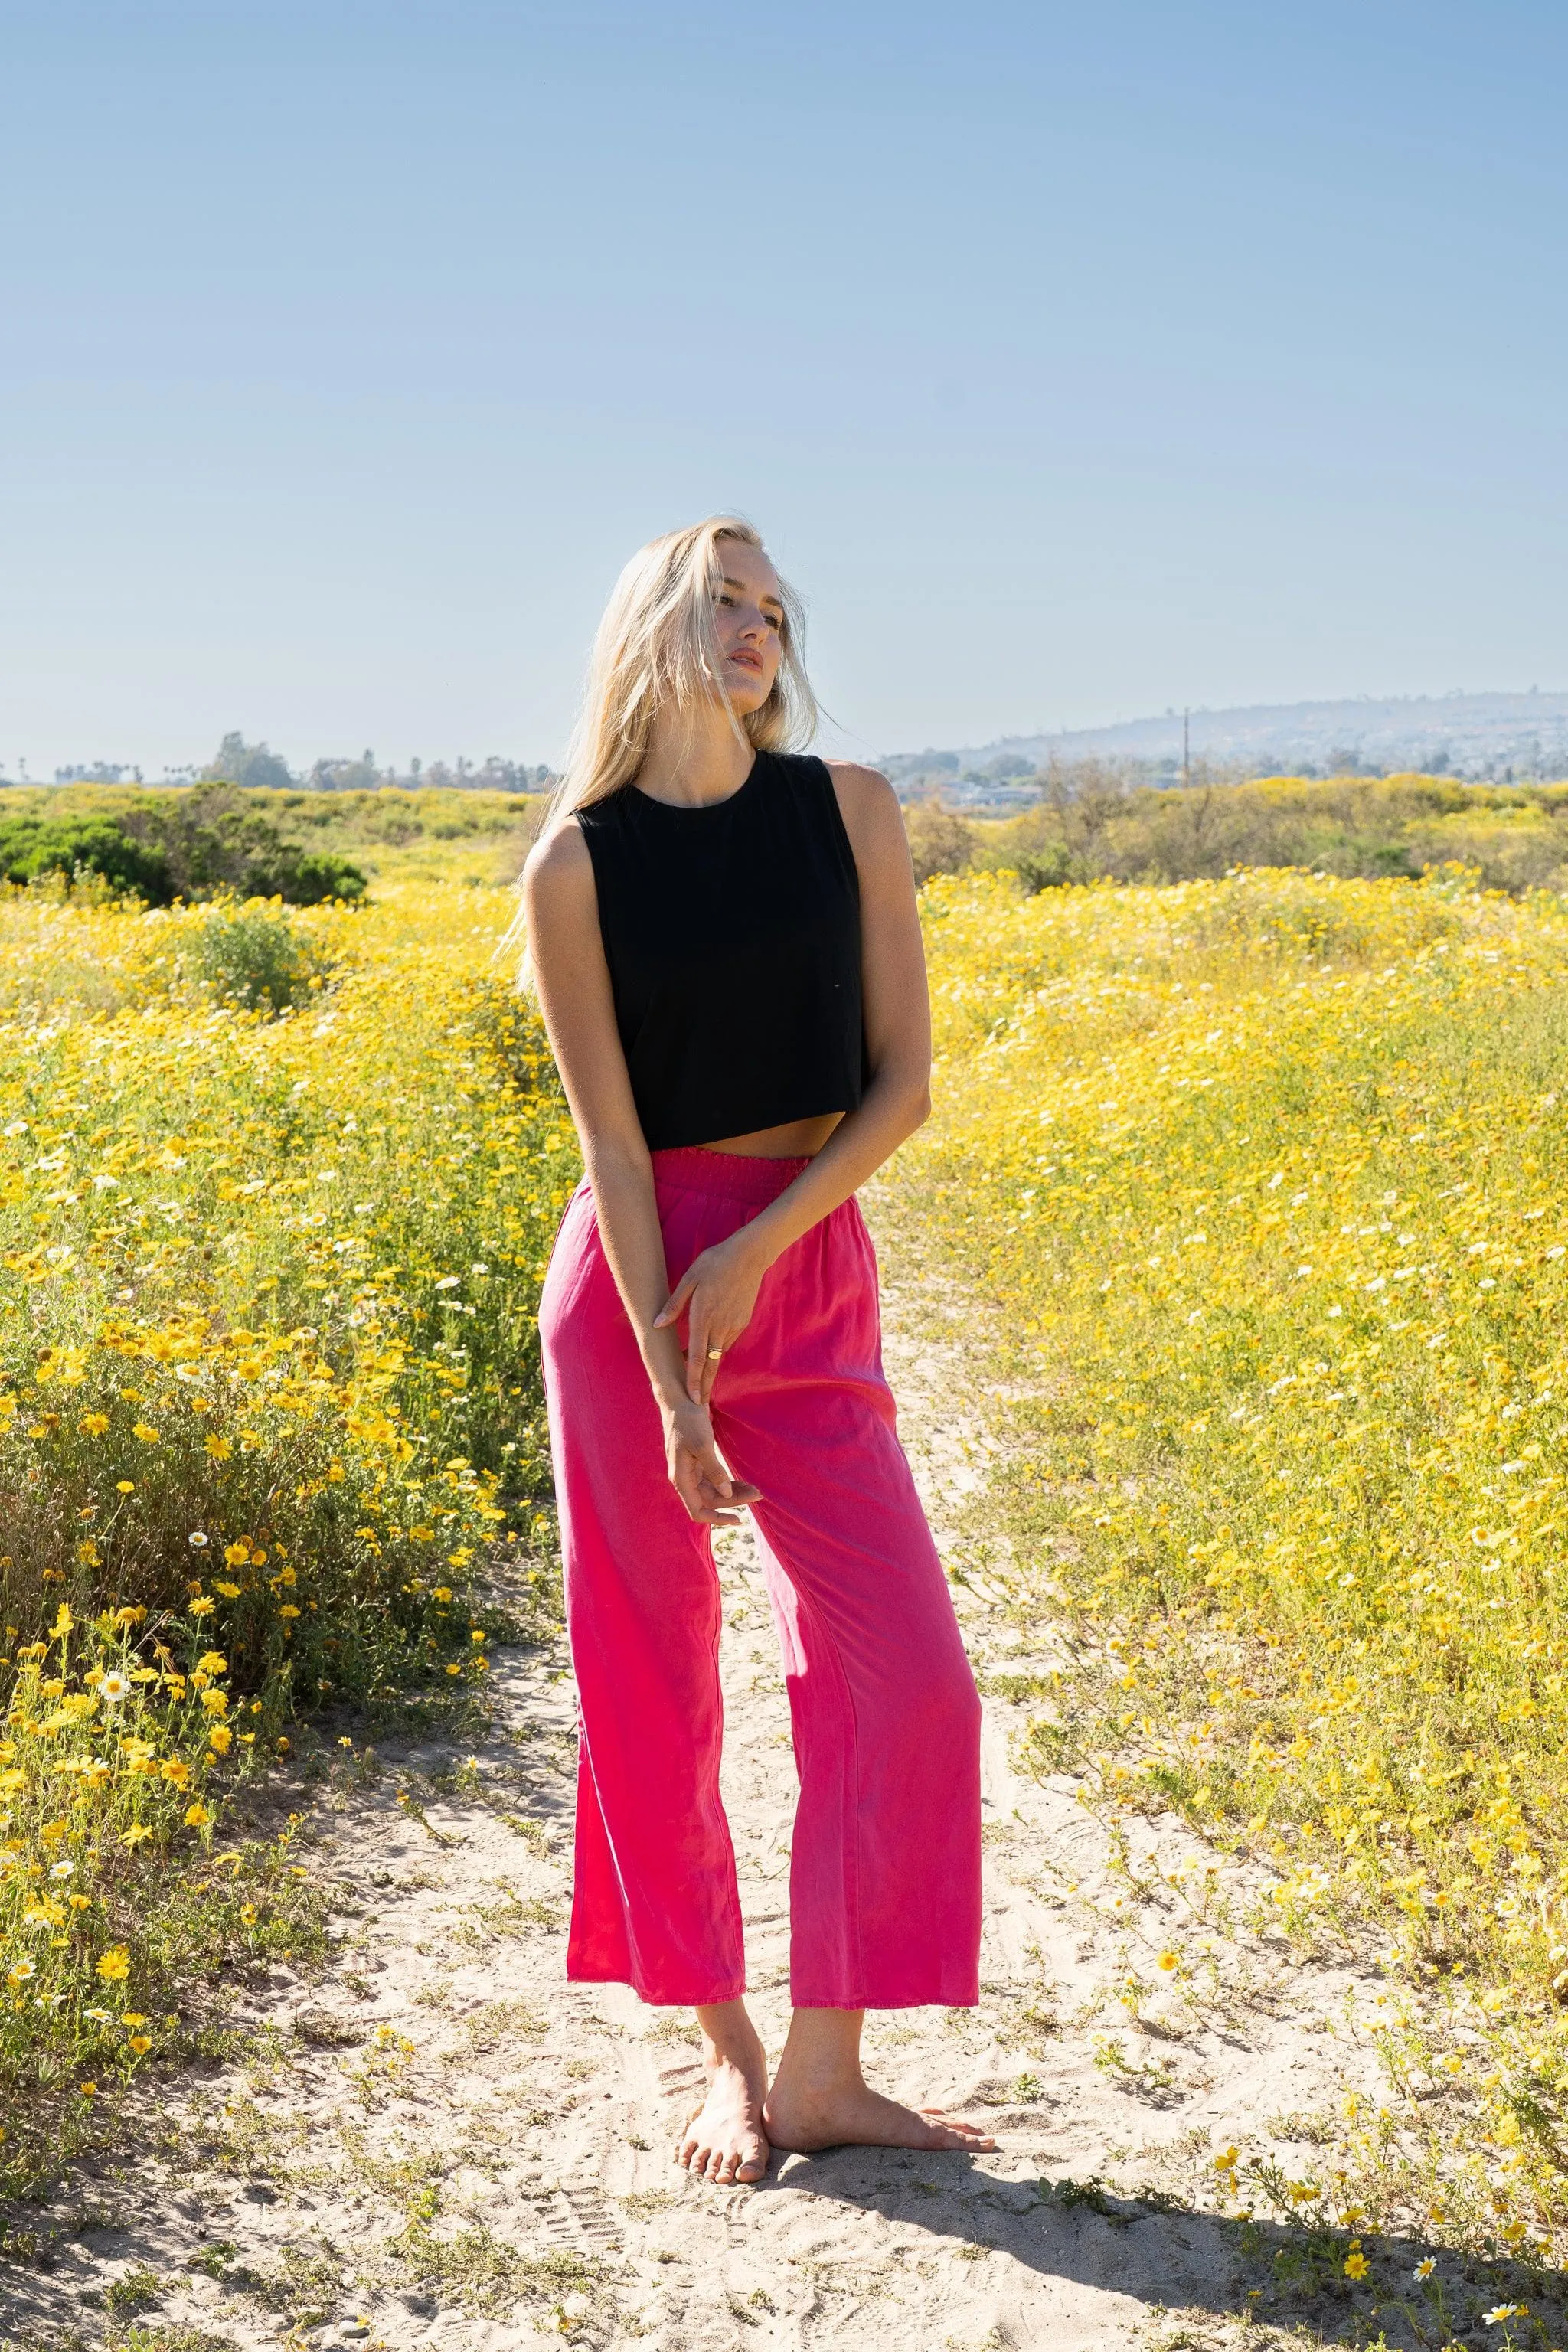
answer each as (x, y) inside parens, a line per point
(253, 765)
(100, 772)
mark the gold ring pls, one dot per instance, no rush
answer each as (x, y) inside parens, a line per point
(714, 1354)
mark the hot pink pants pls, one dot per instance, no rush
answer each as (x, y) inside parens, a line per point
(885, 1863)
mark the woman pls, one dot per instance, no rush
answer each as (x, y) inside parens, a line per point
(726, 951)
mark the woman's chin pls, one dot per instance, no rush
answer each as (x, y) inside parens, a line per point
(747, 692)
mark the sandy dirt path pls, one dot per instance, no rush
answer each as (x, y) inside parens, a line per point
(441, 2144)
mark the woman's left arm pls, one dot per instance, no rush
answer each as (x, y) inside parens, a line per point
(721, 1285)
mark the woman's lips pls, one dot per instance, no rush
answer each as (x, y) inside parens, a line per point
(748, 661)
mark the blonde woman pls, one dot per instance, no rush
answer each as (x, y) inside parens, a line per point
(724, 942)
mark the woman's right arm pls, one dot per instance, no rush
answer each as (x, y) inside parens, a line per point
(562, 910)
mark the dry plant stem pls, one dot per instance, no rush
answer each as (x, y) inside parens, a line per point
(725, 2142)
(821, 2099)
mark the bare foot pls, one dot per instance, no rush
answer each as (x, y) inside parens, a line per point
(725, 2142)
(851, 2115)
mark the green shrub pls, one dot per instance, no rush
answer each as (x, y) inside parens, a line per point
(252, 956)
(940, 842)
(163, 846)
(31, 848)
(212, 842)
(1047, 869)
(318, 874)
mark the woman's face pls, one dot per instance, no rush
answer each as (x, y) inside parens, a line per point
(747, 615)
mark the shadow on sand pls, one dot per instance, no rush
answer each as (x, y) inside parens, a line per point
(1178, 2258)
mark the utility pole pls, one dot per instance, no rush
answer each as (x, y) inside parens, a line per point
(1187, 749)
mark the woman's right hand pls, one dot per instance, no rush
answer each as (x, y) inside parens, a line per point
(696, 1473)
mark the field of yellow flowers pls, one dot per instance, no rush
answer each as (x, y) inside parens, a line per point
(1266, 1180)
(268, 1404)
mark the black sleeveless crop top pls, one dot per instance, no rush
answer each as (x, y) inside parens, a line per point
(732, 935)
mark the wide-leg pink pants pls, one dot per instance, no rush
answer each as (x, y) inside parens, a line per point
(885, 1864)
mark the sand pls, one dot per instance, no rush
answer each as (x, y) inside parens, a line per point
(441, 2144)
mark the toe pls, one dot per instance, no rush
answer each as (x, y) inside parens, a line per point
(955, 2134)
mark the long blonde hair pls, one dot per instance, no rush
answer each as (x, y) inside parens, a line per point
(657, 644)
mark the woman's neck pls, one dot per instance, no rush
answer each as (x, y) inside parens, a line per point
(695, 756)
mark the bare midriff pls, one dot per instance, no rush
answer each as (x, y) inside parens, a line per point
(798, 1138)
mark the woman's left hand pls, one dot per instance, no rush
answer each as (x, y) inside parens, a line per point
(717, 1294)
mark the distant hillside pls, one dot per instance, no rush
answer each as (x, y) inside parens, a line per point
(1495, 738)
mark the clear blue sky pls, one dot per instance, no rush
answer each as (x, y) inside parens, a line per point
(1076, 362)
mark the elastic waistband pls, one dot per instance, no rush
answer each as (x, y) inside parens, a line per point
(728, 1175)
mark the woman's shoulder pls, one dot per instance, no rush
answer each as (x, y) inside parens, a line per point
(868, 785)
(865, 798)
(871, 815)
(559, 864)
(855, 786)
(867, 802)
